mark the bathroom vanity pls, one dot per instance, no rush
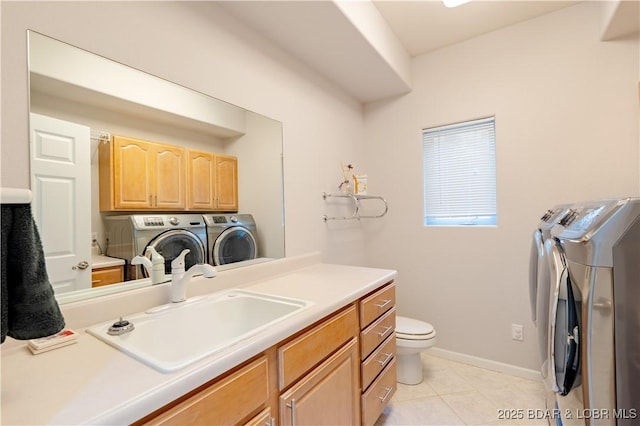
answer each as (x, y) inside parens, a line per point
(334, 359)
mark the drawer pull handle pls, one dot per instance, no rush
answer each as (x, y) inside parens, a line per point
(383, 304)
(387, 358)
(384, 397)
(292, 405)
(386, 330)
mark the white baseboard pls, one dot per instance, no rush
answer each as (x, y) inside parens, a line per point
(488, 364)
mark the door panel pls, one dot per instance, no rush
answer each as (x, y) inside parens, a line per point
(535, 259)
(564, 324)
(133, 177)
(170, 173)
(60, 170)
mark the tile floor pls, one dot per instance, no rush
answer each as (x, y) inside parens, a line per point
(460, 394)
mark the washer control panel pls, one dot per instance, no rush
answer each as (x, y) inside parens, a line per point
(153, 221)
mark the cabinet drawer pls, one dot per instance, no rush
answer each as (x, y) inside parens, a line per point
(108, 275)
(262, 419)
(378, 360)
(380, 392)
(376, 304)
(377, 332)
(304, 352)
(225, 402)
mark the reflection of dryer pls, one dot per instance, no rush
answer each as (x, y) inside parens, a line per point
(230, 238)
(168, 234)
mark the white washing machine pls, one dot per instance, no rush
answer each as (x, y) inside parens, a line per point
(169, 234)
(231, 238)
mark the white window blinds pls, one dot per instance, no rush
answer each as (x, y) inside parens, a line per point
(459, 163)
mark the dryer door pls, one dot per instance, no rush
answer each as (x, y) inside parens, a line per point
(171, 243)
(234, 244)
(564, 324)
(539, 291)
(535, 259)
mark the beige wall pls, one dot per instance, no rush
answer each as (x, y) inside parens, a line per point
(198, 45)
(559, 95)
(567, 130)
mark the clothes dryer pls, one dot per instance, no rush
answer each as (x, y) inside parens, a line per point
(169, 234)
(539, 280)
(230, 238)
(594, 320)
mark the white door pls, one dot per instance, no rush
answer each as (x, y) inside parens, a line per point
(61, 187)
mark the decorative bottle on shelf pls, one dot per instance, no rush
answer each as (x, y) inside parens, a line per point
(346, 188)
(360, 184)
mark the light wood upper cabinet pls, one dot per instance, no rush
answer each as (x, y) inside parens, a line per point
(226, 183)
(212, 181)
(141, 175)
(201, 169)
(170, 187)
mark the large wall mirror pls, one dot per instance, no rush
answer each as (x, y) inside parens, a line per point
(80, 103)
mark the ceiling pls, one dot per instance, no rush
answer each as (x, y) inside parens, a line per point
(365, 46)
(423, 26)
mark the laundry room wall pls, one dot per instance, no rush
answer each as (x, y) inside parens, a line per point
(199, 45)
(566, 109)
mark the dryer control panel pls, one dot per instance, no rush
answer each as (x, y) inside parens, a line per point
(582, 220)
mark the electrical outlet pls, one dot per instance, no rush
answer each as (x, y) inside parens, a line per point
(517, 332)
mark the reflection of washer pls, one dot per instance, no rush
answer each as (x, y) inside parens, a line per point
(231, 238)
(169, 234)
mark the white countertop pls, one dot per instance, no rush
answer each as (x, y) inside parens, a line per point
(102, 261)
(93, 383)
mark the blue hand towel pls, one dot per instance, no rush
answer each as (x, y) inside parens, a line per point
(29, 307)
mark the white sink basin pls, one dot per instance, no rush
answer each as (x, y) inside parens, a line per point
(173, 336)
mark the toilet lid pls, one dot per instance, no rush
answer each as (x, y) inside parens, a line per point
(409, 328)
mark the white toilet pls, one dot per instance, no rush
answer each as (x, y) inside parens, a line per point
(412, 337)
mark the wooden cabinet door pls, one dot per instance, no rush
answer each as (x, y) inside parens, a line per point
(328, 395)
(226, 183)
(169, 173)
(200, 180)
(133, 177)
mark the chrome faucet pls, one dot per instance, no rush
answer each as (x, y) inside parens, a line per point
(179, 277)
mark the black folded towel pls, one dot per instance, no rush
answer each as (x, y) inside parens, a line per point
(29, 307)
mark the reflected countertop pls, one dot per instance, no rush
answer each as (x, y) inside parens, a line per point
(93, 383)
(102, 261)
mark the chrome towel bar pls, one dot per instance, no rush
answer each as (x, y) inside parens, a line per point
(356, 210)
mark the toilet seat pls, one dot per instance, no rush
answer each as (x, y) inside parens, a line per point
(411, 329)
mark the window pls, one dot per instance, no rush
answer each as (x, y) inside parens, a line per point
(459, 163)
